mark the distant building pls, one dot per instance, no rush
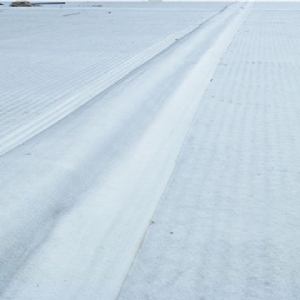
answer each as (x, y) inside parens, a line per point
(48, 3)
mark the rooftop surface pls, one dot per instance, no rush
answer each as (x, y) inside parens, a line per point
(150, 151)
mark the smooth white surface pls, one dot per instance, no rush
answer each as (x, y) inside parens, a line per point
(97, 175)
